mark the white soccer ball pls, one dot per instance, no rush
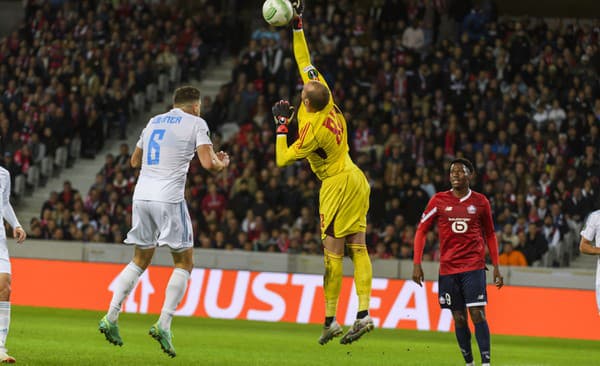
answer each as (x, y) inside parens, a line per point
(277, 12)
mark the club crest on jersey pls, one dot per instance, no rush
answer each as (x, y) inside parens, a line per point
(313, 74)
(442, 300)
(471, 209)
(448, 208)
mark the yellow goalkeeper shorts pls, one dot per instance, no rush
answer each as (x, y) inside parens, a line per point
(344, 201)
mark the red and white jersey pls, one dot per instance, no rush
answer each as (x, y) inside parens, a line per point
(463, 225)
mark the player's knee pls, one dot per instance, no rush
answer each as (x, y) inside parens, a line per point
(356, 249)
(142, 262)
(5, 291)
(188, 266)
(460, 319)
(477, 314)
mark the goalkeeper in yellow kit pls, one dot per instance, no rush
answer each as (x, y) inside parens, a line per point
(344, 195)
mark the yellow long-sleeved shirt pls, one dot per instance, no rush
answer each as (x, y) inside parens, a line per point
(323, 135)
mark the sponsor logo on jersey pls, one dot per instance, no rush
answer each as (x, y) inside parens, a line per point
(313, 74)
(480, 297)
(448, 208)
(471, 209)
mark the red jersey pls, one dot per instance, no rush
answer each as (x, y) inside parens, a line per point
(464, 225)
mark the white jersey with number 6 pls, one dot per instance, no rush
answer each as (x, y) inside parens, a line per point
(591, 231)
(169, 142)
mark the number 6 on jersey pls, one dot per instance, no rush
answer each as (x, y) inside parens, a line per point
(154, 146)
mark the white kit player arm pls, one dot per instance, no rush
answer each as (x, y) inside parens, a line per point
(7, 210)
(214, 162)
(136, 157)
(588, 235)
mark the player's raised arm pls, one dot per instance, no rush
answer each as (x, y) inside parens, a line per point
(427, 220)
(307, 70)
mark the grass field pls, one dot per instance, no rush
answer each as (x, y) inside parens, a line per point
(41, 336)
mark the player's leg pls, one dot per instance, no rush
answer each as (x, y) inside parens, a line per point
(123, 285)
(451, 298)
(363, 272)
(474, 288)
(161, 330)
(184, 263)
(482, 332)
(128, 278)
(463, 335)
(363, 276)
(333, 249)
(176, 232)
(5, 270)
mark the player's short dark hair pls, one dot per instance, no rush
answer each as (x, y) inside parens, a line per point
(186, 95)
(466, 163)
(318, 95)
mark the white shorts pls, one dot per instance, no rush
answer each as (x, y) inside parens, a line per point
(4, 259)
(160, 223)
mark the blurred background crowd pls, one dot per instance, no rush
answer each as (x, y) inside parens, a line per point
(419, 81)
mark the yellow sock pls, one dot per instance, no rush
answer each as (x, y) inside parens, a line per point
(332, 281)
(363, 274)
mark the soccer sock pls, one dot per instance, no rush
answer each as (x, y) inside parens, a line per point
(124, 284)
(173, 295)
(482, 334)
(463, 336)
(329, 320)
(363, 275)
(332, 281)
(4, 323)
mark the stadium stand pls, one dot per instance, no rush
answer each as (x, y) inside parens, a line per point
(420, 82)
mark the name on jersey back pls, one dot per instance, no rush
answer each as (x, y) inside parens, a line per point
(167, 120)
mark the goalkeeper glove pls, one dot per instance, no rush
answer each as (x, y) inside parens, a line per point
(282, 113)
(298, 6)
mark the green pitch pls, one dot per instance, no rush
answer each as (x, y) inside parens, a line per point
(40, 336)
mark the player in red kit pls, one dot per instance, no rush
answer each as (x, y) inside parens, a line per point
(465, 226)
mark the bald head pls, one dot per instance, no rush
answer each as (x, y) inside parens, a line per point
(316, 94)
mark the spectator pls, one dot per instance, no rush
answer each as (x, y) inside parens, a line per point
(510, 256)
(535, 245)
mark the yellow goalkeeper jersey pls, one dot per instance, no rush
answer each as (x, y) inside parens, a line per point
(323, 135)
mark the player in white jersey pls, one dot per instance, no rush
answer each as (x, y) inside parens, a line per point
(8, 214)
(590, 244)
(160, 216)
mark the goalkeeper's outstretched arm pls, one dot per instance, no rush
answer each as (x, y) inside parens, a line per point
(307, 70)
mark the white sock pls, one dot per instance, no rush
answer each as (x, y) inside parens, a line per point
(173, 295)
(4, 323)
(125, 283)
(485, 364)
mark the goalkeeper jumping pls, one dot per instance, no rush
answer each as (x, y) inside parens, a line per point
(344, 195)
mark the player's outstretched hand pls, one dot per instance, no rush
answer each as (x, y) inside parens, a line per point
(298, 6)
(282, 113)
(19, 234)
(498, 279)
(418, 274)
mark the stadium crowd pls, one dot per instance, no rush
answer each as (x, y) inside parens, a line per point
(420, 82)
(76, 71)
